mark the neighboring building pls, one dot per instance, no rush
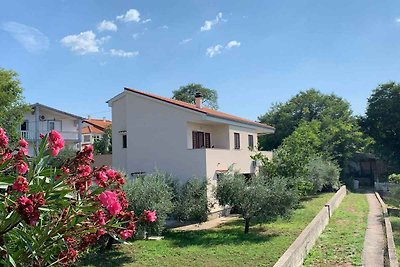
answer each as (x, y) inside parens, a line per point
(93, 130)
(42, 119)
(151, 132)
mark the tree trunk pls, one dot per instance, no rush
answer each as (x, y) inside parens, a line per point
(246, 225)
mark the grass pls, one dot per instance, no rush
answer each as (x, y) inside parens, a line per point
(395, 221)
(342, 241)
(226, 245)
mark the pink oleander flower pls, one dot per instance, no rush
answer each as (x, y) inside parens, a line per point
(99, 217)
(84, 170)
(41, 136)
(23, 143)
(125, 234)
(109, 200)
(21, 185)
(22, 167)
(101, 178)
(6, 156)
(55, 142)
(3, 138)
(150, 216)
(68, 256)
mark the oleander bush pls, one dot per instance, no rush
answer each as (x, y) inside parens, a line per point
(50, 215)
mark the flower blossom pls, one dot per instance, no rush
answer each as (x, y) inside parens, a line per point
(55, 142)
(68, 256)
(28, 207)
(6, 156)
(150, 216)
(109, 200)
(23, 143)
(20, 185)
(3, 138)
(22, 167)
(125, 234)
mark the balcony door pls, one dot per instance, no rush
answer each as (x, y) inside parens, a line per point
(201, 140)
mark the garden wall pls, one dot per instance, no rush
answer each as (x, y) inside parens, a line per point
(295, 254)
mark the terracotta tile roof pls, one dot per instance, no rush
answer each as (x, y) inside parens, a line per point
(204, 110)
(91, 130)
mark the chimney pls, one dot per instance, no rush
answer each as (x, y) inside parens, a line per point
(198, 100)
(104, 118)
(88, 116)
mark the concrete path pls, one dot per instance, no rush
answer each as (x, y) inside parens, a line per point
(207, 225)
(374, 237)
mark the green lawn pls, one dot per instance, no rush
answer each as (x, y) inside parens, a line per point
(342, 241)
(223, 246)
(395, 221)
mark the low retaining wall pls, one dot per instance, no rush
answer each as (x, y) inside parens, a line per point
(391, 249)
(296, 253)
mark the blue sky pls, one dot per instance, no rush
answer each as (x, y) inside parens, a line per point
(75, 55)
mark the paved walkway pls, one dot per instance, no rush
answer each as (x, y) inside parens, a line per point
(374, 237)
(207, 225)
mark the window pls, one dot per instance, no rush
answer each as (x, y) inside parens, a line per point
(237, 140)
(124, 141)
(251, 142)
(25, 126)
(51, 125)
(86, 138)
(201, 140)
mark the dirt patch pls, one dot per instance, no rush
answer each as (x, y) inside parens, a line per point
(351, 209)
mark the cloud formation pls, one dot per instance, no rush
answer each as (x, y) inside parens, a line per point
(130, 15)
(185, 41)
(83, 43)
(122, 53)
(107, 25)
(146, 21)
(217, 49)
(29, 37)
(398, 19)
(208, 24)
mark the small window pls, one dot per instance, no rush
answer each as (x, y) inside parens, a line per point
(51, 125)
(124, 141)
(25, 126)
(86, 138)
(201, 140)
(251, 142)
(237, 140)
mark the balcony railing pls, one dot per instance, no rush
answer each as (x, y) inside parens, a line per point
(30, 135)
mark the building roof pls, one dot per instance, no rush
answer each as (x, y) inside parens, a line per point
(91, 130)
(204, 110)
(56, 110)
(96, 126)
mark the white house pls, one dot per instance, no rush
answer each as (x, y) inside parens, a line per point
(153, 132)
(42, 119)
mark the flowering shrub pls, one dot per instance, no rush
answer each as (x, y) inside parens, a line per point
(50, 215)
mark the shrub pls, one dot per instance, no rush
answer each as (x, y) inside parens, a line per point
(259, 197)
(151, 192)
(49, 215)
(394, 178)
(191, 202)
(323, 175)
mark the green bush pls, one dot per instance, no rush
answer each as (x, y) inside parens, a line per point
(323, 175)
(191, 201)
(394, 178)
(151, 192)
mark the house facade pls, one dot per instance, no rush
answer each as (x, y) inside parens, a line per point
(151, 132)
(93, 130)
(42, 119)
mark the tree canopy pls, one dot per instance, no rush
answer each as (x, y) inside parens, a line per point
(186, 93)
(382, 121)
(305, 106)
(12, 106)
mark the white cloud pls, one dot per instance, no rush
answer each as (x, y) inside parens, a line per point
(208, 24)
(29, 37)
(214, 50)
(146, 21)
(232, 44)
(84, 43)
(398, 19)
(107, 25)
(164, 27)
(185, 41)
(130, 15)
(122, 53)
(217, 49)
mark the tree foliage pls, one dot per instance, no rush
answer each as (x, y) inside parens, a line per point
(12, 106)
(382, 121)
(187, 94)
(104, 145)
(259, 197)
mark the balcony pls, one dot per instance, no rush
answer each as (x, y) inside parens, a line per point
(69, 136)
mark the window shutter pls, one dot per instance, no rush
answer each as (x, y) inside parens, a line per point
(237, 140)
(208, 140)
(195, 141)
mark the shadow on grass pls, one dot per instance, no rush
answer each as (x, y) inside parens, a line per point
(220, 236)
(110, 258)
